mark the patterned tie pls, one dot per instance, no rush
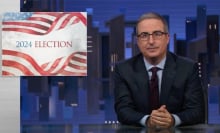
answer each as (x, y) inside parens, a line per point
(154, 89)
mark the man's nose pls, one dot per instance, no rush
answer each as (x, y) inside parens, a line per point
(150, 39)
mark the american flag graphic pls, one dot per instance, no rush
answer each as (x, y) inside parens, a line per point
(35, 44)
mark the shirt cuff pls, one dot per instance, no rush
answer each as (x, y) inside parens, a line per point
(177, 120)
(143, 120)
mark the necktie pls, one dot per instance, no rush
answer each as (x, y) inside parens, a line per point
(154, 89)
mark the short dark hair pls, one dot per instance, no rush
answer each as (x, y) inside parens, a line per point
(153, 15)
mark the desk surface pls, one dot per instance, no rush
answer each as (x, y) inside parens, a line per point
(127, 129)
(113, 128)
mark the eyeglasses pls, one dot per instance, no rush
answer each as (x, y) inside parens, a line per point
(144, 36)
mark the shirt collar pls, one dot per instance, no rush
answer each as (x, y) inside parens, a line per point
(160, 65)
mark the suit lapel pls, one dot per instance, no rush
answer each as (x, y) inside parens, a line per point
(169, 73)
(141, 77)
(142, 82)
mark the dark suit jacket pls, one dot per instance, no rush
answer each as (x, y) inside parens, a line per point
(181, 90)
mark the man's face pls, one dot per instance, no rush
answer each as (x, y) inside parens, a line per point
(155, 47)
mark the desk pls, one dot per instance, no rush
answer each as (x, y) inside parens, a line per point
(113, 128)
(127, 129)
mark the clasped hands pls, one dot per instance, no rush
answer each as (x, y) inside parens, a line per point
(160, 118)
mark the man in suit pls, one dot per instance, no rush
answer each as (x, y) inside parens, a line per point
(181, 99)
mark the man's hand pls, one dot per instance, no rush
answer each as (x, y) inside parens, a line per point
(160, 118)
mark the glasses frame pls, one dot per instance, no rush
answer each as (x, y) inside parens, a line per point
(156, 35)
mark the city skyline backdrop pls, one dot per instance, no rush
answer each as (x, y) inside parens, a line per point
(194, 27)
(103, 11)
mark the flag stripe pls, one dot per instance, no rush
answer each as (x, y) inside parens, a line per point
(31, 25)
(23, 30)
(77, 67)
(24, 56)
(68, 73)
(41, 20)
(7, 73)
(60, 65)
(52, 66)
(52, 23)
(17, 65)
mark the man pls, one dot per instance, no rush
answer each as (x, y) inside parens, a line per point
(180, 100)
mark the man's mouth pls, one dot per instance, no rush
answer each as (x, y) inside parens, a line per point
(152, 48)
